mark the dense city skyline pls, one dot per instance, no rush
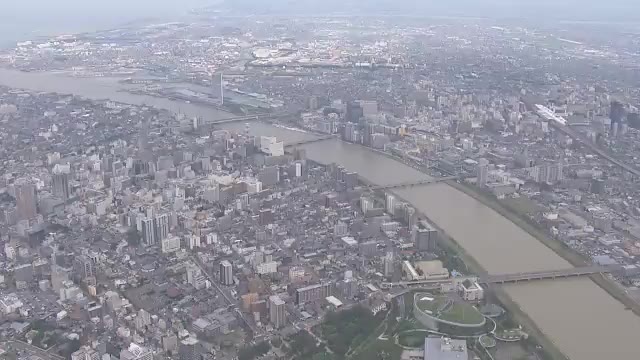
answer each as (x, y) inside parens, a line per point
(306, 180)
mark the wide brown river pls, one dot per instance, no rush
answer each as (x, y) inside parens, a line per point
(583, 320)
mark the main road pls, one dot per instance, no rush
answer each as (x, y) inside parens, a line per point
(583, 320)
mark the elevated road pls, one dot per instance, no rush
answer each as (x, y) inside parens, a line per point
(595, 149)
(29, 349)
(560, 123)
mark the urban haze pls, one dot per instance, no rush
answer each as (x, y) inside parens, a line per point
(324, 180)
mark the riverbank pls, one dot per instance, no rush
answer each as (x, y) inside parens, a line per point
(514, 309)
(576, 259)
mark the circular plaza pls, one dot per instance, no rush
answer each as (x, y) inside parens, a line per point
(447, 315)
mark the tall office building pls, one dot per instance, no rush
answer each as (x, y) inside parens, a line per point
(83, 268)
(26, 201)
(188, 349)
(218, 87)
(148, 232)
(616, 113)
(550, 173)
(155, 229)
(353, 112)
(388, 264)
(60, 184)
(410, 216)
(161, 227)
(277, 311)
(483, 175)
(425, 239)
(390, 203)
(366, 204)
(226, 272)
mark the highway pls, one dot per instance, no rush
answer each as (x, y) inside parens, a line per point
(30, 349)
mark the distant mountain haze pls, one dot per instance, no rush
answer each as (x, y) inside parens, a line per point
(591, 10)
(24, 19)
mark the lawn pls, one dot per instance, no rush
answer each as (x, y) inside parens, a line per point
(379, 350)
(413, 339)
(446, 309)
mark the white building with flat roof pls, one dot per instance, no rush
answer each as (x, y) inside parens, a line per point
(271, 146)
(269, 267)
(10, 304)
(436, 348)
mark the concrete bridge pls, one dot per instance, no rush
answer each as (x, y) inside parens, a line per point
(310, 141)
(516, 277)
(414, 183)
(253, 117)
(548, 275)
(242, 118)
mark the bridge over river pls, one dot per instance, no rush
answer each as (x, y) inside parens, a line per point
(519, 277)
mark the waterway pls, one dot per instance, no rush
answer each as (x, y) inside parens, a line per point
(102, 88)
(583, 320)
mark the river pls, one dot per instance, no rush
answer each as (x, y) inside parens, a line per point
(583, 320)
(100, 88)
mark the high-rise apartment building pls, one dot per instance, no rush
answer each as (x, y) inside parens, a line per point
(60, 185)
(226, 273)
(313, 292)
(425, 239)
(148, 232)
(277, 311)
(390, 203)
(188, 349)
(483, 175)
(388, 264)
(26, 201)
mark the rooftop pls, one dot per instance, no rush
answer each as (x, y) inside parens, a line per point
(445, 349)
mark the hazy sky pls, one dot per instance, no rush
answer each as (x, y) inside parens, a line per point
(560, 9)
(20, 19)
